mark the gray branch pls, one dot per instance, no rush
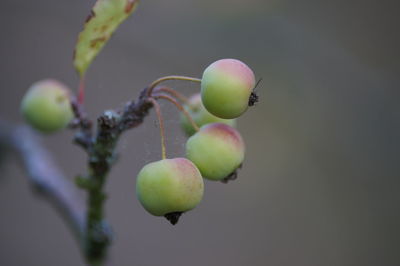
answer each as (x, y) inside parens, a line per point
(44, 175)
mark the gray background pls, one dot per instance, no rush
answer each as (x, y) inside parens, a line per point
(321, 178)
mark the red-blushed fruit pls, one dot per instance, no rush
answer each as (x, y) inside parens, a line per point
(200, 115)
(217, 150)
(226, 87)
(169, 187)
(46, 106)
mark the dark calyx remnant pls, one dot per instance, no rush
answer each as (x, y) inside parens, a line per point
(232, 176)
(253, 99)
(173, 217)
(253, 96)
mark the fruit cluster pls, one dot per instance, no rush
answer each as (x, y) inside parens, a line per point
(214, 149)
(170, 187)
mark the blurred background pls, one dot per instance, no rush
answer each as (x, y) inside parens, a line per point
(320, 181)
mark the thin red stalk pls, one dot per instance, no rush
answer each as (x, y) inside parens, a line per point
(81, 90)
(161, 122)
(158, 81)
(173, 92)
(179, 106)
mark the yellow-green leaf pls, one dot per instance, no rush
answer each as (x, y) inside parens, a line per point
(104, 19)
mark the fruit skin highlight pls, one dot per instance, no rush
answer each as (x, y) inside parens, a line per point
(217, 150)
(169, 186)
(46, 106)
(200, 115)
(226, 87)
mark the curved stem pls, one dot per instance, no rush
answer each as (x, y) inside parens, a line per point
(174, 93)
(161, 122)
(158, 81)
(180, 107)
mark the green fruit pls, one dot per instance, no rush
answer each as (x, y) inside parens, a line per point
(46, 106)
(217, 150)
(169, 186)
(200, 116)
(226, 87)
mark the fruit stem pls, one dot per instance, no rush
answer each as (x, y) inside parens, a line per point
(162, 79)
(161, 122)
(180, 107)
(81, 90)
(174, 93)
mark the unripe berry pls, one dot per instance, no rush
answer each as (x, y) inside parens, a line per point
(226, 87)
(200, 115)
(46, 106)
(169, 186)
(217, 150)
